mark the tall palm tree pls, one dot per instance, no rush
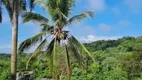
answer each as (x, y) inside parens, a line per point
(64, 49)
(14, 7)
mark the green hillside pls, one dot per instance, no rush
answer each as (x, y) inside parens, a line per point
(114, 60)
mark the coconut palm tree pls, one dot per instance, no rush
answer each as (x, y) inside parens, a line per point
(14, 7)
(63, 49)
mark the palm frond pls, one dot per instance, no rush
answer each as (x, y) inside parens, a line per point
(47, 27)
(8, 7)
(63, 19)
(68, 63)
(56, 7)
(57, 59)
(34, 17)
(37, 51)
(23, 4)
(31, 41)
(79, 52)
(84, 52)
(52, 7)
(75, 52)
(53, 56)
(65, 6)
(31, 3)
(80, 17)
(50, 48)
(42, 3)
(0, 11)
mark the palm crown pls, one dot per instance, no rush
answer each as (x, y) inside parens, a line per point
(8, 4)
(63, 48)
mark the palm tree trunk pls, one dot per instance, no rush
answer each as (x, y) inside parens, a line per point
(14, 40)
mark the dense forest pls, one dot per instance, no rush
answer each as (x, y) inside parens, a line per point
(114, 60)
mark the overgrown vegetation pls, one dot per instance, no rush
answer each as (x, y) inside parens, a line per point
(114, 60)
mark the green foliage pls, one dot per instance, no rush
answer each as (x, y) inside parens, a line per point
(4, 56)
(34, 17)
(112, 63)
(4, 69)
(102, 44)
(124, 43)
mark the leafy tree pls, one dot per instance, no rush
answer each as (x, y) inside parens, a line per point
(132, 63)
(4, 69)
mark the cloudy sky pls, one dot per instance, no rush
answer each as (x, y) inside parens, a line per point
(113, 19)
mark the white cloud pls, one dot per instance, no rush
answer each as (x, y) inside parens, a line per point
(91, 38)
(79, 30)
(97, 5)
(86, 33)
(5, 49)
(124, 23)
(134, 5)
(5, 46)
(104, 27)
(116, 11)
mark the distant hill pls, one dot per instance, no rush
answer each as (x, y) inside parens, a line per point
(104, 44)
(4, 56)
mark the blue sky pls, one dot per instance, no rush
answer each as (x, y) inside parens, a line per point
(113, 19)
